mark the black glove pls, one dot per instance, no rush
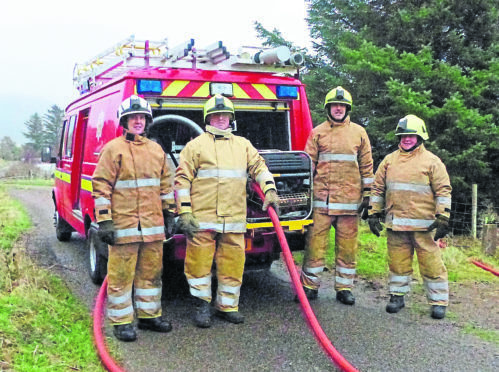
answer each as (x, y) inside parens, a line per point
(363, 208)
(375, 223)
(188, 224)
(169, 220)
(442, 226)
(107, 232)
(272, 199)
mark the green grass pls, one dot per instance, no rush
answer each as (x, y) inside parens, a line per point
(43, 327)
(27, 182)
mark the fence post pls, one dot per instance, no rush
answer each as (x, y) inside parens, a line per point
(474, 192)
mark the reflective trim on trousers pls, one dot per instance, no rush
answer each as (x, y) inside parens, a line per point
(399, 186)
(377, 199)
(233, 227)
(102, 201)
(438, 296)
(400, 279)
(337, 157)
(206, 280)
(141, 182)
(227, 301)
(135, 232)
(313, 279)
(399, 289)
(438, 286)
(313, 270)
(221, 173)
(336, 206)
(367, 181)
(120, 312)
(411, 222)
(147, 305)
(235, 290)
(183, 192)
(147, 291)
(200, 292)
(170, 195)
(115, 300)
(345, 270)
(344, 281)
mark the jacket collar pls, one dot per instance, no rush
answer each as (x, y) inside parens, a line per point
(219, 132)
(334, 123)
(414, 152)
(133, 137)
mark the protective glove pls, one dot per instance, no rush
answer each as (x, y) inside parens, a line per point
(442, 226)
(188, 224)
(375, 223)
(363, 208)
(169, 220)
(272, 199)
(107, 232)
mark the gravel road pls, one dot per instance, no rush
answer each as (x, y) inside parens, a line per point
(274, 336)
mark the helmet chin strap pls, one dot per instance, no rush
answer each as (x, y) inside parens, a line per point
(347, 112)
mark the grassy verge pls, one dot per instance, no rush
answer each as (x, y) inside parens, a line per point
(43, 327)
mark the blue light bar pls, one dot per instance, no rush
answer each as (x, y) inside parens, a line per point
(286, 91)
(149, 86)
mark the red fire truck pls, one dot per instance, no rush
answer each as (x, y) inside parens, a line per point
(271, 111)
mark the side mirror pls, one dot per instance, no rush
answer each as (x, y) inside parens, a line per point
(46, 155)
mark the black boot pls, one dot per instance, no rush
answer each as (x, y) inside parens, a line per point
(311, 294)
(155, 324)
(202, 319)
(395, 305)
(438, 311)
(231, 316)
(345, 297)
(125, 332)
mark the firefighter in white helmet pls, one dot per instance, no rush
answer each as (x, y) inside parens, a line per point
(343, 175)
(134, 201)
(412, 189)
(210, 189)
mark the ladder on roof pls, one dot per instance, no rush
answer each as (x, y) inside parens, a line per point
(130, 54)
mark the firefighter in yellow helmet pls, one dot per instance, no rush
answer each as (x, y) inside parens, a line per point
(210, 189)
(342, 159)
(134, 201)
(412, 189)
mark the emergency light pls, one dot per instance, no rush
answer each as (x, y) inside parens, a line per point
(225, 89)
(149, 86)
(286, 91)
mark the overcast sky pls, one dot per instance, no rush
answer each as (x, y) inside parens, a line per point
(42, 40)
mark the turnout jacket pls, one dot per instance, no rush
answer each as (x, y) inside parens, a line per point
(132, 184)
(411, 188)
(211, 178)
(343, 166)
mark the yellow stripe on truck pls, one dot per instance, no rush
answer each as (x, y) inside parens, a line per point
(175, 88)
(264, 91)
(291, 225)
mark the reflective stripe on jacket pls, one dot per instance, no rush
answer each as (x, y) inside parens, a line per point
(411, 187)
(210, 180)
(132, 184)
(341, 155)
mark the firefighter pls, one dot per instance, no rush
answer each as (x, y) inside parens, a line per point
(343, 175)
(413, 190)
(210, 189)
(134, 201)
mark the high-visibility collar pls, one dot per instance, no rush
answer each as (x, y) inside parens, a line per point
(227, 133)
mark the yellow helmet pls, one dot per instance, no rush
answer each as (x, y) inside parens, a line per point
(411, 124)
(339, 95)
(218, 103)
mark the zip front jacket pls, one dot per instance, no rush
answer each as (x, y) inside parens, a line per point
(341, 155)
(411, 188)
(132, 184)
(211, 179)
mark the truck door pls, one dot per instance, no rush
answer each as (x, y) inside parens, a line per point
(63, 174)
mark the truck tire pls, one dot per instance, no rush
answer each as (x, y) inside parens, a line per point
(96, 262)
(62, 228)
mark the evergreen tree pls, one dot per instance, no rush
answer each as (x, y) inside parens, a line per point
(52, 124)
(35, 133)
(9, 149)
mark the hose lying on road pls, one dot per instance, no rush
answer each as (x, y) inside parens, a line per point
(316, 328)
(485, 267)
(100, 343)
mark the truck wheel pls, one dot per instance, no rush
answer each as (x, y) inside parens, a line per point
(62, 228)
(96, 262)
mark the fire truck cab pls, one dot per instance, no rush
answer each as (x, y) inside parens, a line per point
(271, 111)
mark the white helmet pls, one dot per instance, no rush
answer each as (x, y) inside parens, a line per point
(134, 105)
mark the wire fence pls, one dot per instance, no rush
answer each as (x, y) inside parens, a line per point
(461, 221)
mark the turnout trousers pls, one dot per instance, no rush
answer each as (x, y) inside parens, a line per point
(228, 250)
(401, 247)
(137, 265)
(345, 247)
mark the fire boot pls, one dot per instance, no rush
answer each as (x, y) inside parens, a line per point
(231, 316)
(395, 305)
(124, 332)
(438, 311)
(202, 319)
(155, 324)
(311, 294)
(345, 297)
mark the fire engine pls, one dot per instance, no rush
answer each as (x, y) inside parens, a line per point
(271, 111)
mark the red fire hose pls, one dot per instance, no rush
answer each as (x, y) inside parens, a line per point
(310, 317)
(485, 267)
(100, 343)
